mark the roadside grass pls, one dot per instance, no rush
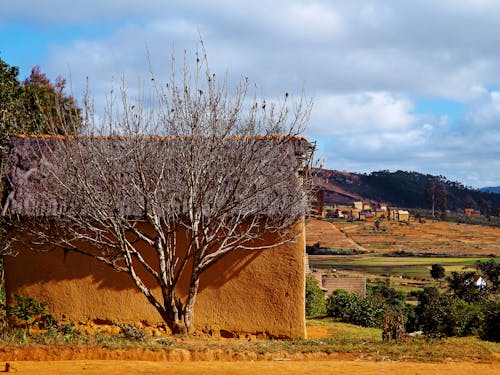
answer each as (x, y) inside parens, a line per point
(346, 340)
(349, 338)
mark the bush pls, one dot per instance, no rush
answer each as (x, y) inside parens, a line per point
(490, 329)
(443, 315)
(28, 310)
(315, 298)
(355, 309)
(437, 271)
(132, 332)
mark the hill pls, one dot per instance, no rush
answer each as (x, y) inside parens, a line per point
(491, 189)
(402, 189)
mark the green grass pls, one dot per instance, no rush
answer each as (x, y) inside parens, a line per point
(414, 267)
(349, 339)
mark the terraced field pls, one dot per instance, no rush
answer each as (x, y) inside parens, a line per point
(456, 247)
(432, 238)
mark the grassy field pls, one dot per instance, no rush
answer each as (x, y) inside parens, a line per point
(454, 246)
(379, 265)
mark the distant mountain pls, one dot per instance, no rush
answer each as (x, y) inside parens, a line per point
(400, 188)
(491, 189)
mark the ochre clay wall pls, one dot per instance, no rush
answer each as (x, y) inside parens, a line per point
(245, 292)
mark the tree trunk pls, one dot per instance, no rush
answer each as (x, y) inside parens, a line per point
(188, 313)
(173, 319)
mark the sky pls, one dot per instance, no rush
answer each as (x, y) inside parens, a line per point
(396, 84)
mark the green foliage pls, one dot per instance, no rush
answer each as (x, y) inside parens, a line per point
(316, 249)
(437, 271)
(440, 314)
(462, 285)
(35, 105)
(432, 311)
(490, 329)
(27, 309)
(491, 271)
(356, 309)
(315, 298)
(387, 295)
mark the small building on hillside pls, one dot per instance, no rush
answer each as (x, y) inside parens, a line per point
(472, 212)
(366, 216)
(397, 214)
(351, 284)
(403, 215)
(358, 205)
(476, 280)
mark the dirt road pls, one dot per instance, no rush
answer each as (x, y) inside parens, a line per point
(243, 368)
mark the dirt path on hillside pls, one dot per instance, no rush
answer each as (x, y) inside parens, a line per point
(328, 235)
(244, 368)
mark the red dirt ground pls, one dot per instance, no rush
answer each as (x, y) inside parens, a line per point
(116, 367)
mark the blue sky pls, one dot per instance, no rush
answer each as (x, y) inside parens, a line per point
(411, 85)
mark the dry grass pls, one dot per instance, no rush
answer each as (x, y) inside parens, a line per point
(327, 338)
(328, 235)
(445, 238)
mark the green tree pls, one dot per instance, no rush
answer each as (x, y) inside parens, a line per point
(315, 298)
(437, 271)
(49, 108)
(35, 105)
(463, 287)
(432, 311)
(490, 329)
(11, 102)
(356, 309)
(491, 271)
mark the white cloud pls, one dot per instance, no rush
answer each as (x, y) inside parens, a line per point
(486, 113)
(366, 63)
(362, 112)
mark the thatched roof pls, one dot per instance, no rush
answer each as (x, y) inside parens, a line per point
(40, 173)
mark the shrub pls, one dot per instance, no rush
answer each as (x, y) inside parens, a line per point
(353, 308)
(465, 319)
(437, 271)
(315, 298)
(490, 329)
(443, 315)
(28, 310)
(132, 332)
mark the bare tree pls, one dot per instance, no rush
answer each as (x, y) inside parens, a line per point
(165, 187)
(435, 193)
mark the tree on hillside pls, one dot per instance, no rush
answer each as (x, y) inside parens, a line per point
(208, 169)
(435, 193)
(469, 201)
(437, 271)
(485, 206)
